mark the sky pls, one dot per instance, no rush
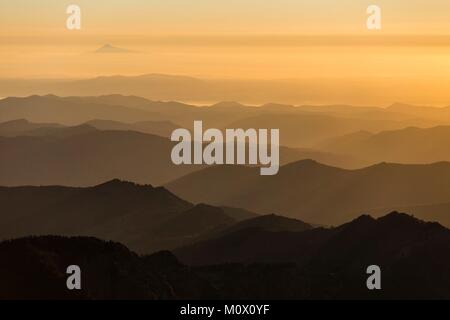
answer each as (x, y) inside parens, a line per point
(243, 39)
(231, 16)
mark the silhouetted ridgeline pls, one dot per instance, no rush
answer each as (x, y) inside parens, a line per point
(35, 268)
(101, 150)
(143, 217)
(302, 126)
(216, 224)
(313, 192)
(310, 264)
(406, 145)
(83, 155)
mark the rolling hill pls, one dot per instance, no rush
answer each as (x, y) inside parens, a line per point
(159, 128)
(353, 240)
(426, 112)
(83, 155)
(317, 193)
(186, 88)
(19, 127)
(311, 129)
(22, 127)
(143, 217)
(35, 268)
(267, 264)
(330, 262)
(68, 111)
(300, 126)
(407, 145)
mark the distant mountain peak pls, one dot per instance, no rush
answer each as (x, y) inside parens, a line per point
(309, 161)
(273, 105)
(363, 218)
(399, 217)
(227, 104)
(51, 96)
(108, 48)
(117, 183)
(400, 106)
(391, 219)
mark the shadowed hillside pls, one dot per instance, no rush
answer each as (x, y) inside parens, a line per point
(332, 263)
(253, 243)
(143, 217)
(35, 268)
(20, 126)
(309, 129)
(304, 126)
(68, 112)
(80, 156)
(313, 192)
(160, 128)
(83, 155)
(406, 249)
(311, 264)
(408, 145)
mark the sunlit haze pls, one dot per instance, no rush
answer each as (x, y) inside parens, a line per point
(247, 39)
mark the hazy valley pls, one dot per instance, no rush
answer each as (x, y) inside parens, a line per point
(99, 167)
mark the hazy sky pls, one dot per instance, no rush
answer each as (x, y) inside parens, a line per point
(200, 16)
(254, 39)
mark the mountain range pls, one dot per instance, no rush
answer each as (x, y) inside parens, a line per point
(83, 156)
(86, 178)
(331, 262)
(314, 192)
(156, 86)
(407, 145)
(314, 263)
(101, 150)
(143, 217)
(301, 126)
(35, 268)
(312, 128)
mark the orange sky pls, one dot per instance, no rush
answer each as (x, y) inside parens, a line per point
(232, 39)
(232, 16)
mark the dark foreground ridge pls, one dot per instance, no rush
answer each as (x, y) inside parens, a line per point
(324, 264)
